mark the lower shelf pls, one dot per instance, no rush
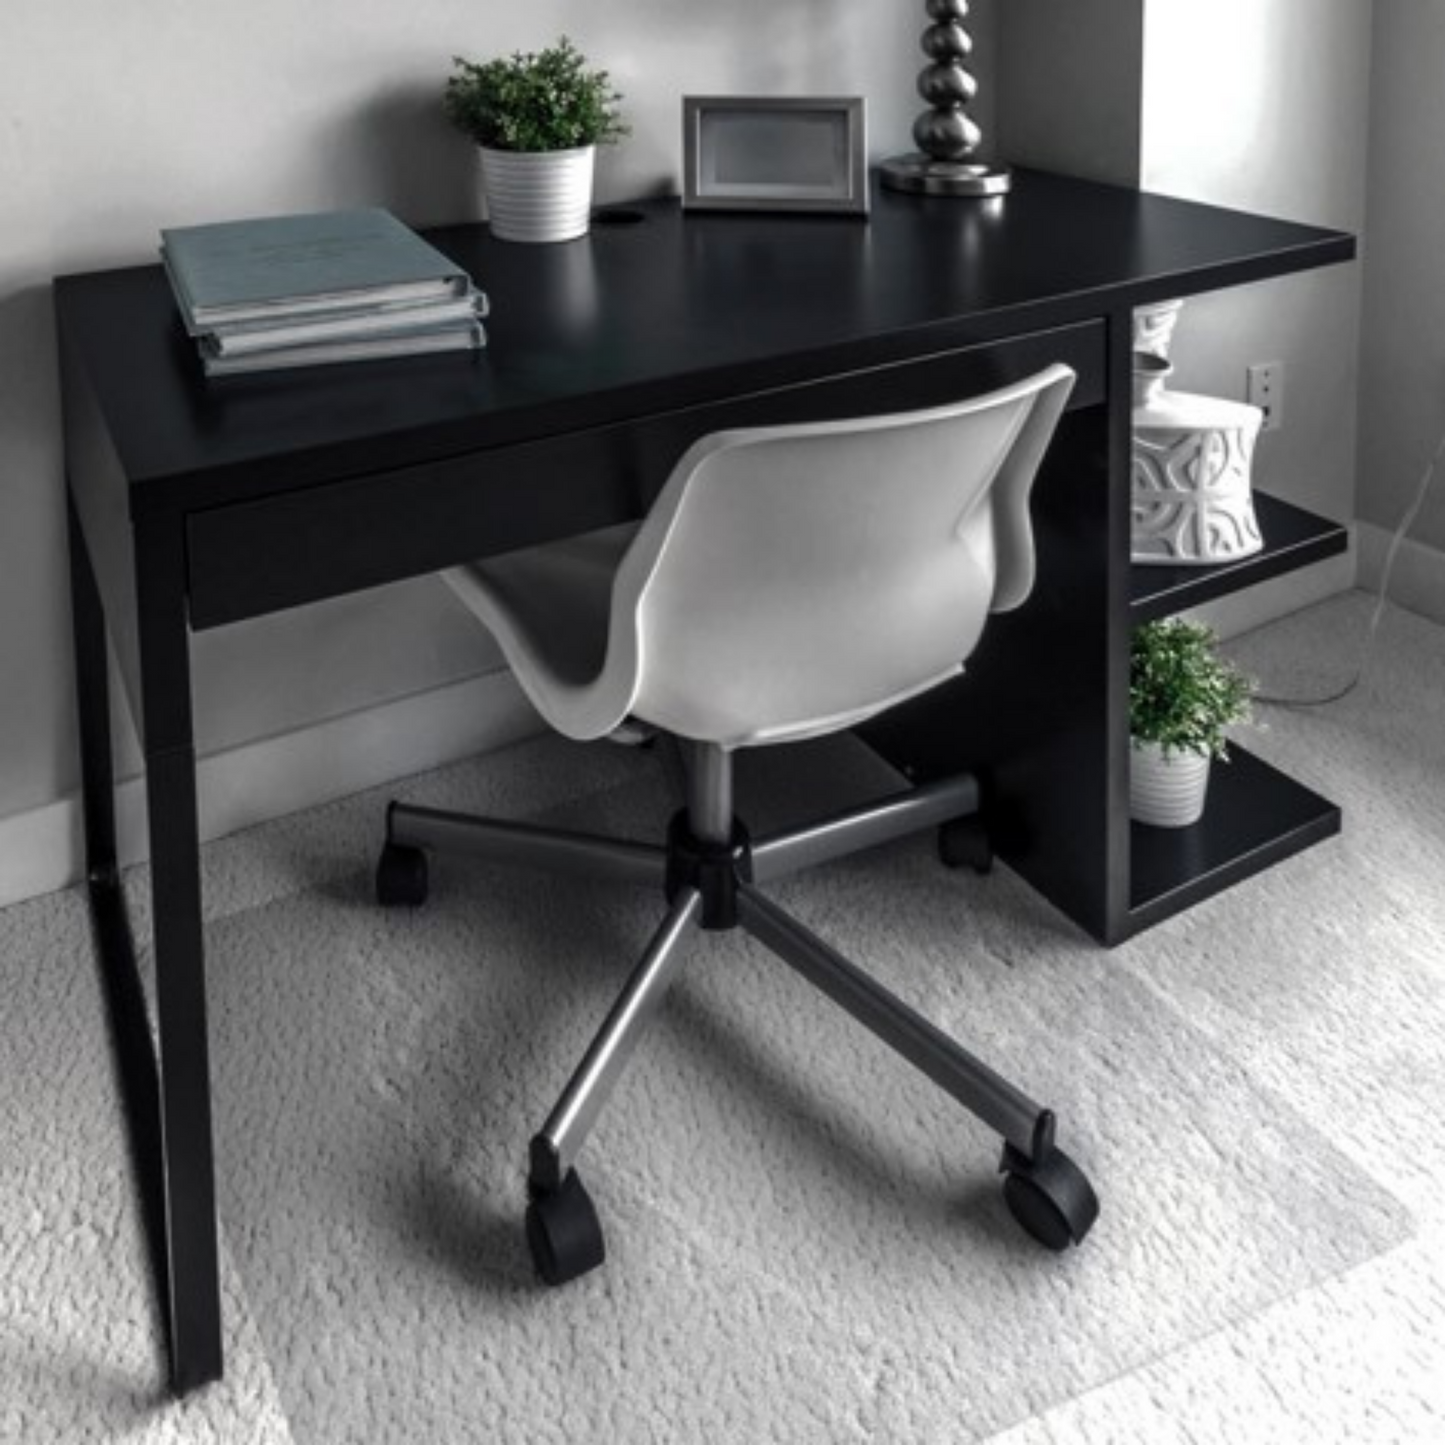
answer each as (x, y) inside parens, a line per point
(1255, 816)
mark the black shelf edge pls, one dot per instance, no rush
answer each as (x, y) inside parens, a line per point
(1254, 817)
(1293, 537)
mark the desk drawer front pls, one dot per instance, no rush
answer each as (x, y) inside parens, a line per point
(256, 557)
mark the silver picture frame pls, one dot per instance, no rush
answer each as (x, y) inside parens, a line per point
(775, 153)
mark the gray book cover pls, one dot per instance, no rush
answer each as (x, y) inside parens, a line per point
(231, 270)
(469, 336)
(375, 320)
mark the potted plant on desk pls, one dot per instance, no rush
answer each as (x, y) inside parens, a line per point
(538, 119)
(1182, 696)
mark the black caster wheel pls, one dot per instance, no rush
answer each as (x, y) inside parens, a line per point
(563, 1232)
(964, 842)
(401, 877)
(1050, 1198)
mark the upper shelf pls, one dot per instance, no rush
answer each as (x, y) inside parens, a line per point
(1293, 538)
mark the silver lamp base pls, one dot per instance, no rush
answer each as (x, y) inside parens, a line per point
(922, 174)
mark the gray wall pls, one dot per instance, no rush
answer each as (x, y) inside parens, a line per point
(1256, 104)
(1070, 81)
(1402, 382)
(117, 119)
(1263, 105)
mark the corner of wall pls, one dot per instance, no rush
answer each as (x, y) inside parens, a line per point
(1070, 87)
(1416, 579)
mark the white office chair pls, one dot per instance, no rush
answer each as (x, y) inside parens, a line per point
(789, 581)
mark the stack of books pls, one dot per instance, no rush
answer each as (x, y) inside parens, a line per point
(287, 291)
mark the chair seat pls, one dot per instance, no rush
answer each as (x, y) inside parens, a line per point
(549, 608)
(788, 581)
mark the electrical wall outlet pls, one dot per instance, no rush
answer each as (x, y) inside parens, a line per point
(1265, 389)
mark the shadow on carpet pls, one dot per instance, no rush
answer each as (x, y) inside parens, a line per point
(806, 1240)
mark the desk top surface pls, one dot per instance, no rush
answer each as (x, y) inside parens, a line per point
(659, 312)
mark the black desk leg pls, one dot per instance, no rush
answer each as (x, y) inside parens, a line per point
(190, 1191)
(168, 1123)
(129, 1026)
(92, 693)
(185, 1099)
(167, 1106)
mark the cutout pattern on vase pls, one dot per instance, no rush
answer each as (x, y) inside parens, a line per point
(1191, 500)
(1154, 326)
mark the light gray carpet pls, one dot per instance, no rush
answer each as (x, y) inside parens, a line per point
(807, 1242)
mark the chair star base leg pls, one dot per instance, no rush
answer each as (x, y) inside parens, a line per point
(1046, 1192)
(556, 1147)
(707, 872)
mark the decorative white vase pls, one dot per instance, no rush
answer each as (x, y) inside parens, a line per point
(1154, 326)
(1190, 492)
(538, 195)
(1166, 790)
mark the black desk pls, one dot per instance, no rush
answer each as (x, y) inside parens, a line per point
(193, 505)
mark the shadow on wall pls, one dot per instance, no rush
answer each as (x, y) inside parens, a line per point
(400, 151)
(29, 394)
(35, 705)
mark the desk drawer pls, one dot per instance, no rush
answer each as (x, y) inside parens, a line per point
(255, 557)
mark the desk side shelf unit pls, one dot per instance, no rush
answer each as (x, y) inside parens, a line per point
(1255, 814)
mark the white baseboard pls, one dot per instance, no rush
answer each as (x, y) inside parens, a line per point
(41, 850)
(1417, 580)
(1269, 601)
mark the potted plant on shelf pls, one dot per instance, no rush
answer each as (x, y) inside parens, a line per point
(538, 118)
(1182, 696)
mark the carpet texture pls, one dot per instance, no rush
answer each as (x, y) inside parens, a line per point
(807, 1241)
(81, 1346)
(787, 1205)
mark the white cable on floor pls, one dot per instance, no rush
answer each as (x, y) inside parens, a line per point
(1367, 647)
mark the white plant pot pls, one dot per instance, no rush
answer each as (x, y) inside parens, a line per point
(1166, 790)
(538, 195)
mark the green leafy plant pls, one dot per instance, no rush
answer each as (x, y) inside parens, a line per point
(1182, 694)
(534, 101)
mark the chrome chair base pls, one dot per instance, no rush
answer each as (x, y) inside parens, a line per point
(710, 872)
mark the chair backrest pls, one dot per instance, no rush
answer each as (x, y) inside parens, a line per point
(794, 580)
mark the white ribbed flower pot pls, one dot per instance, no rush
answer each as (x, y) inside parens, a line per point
(1166, 789)
(538, 195)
